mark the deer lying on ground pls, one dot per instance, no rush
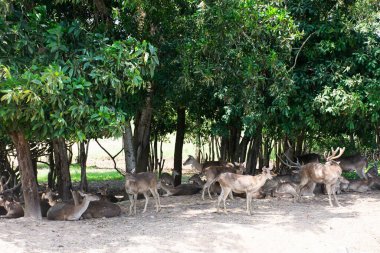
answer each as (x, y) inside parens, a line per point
(105, 196)
(101, 208)
(230, 182)
(213, 171)
(182, 189)
(13, 208)
(69, 211)
(327, 174)
(202, 166)
(168, 179)
(141, 183)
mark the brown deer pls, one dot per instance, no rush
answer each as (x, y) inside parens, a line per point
(69, 211)
(141, 183)
(327, 174)
(354, 162)
(250, 185)
(213, 171)
(101, 208)
(105, 196)
(13, 208)
(202, 166)
(168, 179)
(182, 189)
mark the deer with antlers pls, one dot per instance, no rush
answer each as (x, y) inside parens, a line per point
(327, 173)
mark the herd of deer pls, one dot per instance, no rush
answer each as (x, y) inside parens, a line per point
(221, 178)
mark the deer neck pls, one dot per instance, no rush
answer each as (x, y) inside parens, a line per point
(80, 209)
(52, 202)
(195, 164)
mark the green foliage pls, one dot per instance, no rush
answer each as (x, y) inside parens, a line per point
(77, 85)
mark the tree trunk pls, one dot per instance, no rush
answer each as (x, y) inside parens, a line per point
(241, 151)
(300, 139)
(130, 159)
(223, 148)
(179, 138)
(142, 134)
(198, 147)
(29, 187)
(4, 162)
(255, 151)
(63, 168)
(52, 175)
(83, 152)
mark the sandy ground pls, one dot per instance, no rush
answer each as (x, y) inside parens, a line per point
(188, 224)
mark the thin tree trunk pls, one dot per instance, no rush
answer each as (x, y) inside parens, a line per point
(300, 139)
(255, 151)
(83, 152)
(130, 159)
(62, 168)
(29, 187)
(52, 175)
(180, 136)
(142, 134)
(241, 151)
(198, 147)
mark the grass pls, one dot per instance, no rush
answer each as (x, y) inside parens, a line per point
(93, 174)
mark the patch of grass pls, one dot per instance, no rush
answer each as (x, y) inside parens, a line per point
(93, 174)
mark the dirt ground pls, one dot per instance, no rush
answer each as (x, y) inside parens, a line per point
(188, 224)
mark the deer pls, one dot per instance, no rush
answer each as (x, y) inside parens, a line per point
(202, 166)
(212, 172)
(250, 185)
(304, 158)
(354, 162)
(13, 208)
(327, 174)
(68, 211)
(101, 208)
(141, 183)
(168, 179)
(182, 189)
(105, 196)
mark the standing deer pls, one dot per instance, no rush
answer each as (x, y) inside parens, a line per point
(202, 166)
(328, 173)
(250, 185)
(213, 171)
(141, 183)
(354, 162)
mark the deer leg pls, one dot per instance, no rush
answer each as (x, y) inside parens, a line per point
(328, 188)
(208, 190)
(156, 197)
(249, 199)
(361, 174)
(220, 199)
(130, 197)
(203, 191)
(334, 194)
(146, 200)
(225, 196)
(231, 195)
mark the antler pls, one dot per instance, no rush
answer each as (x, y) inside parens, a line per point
(293, 165)
(333, 155)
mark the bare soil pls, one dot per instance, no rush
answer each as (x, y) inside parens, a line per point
(188, 224)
